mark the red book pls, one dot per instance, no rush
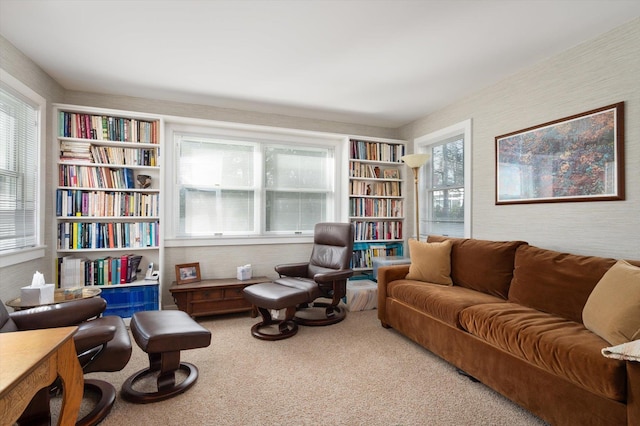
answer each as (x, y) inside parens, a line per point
(124, 267)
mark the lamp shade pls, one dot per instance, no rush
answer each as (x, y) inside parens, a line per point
(415, 160)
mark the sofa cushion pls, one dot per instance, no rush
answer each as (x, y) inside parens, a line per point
(554, 282)
(438, 301)
(612, 310)
(555, 344)
(482, 265)
(430, 262)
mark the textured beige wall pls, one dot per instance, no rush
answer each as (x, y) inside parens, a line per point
(220, 261)
(222, 114)
(24, 69)
(597, 73)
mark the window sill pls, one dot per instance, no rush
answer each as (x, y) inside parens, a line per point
(237, 241)
(20, 256)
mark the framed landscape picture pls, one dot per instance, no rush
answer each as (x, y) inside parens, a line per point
(188, 273)
(577, 158)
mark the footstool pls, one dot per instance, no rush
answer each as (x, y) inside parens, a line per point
(162, 335)
(267, 296)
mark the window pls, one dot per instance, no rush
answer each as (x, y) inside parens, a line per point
(241, 183)
(445, 189)
(298, 187)
(20, 139)
(445, 181)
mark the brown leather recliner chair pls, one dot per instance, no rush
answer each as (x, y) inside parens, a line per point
(324, 276)
(102, 344)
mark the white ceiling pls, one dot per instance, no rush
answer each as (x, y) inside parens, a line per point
(376, 62)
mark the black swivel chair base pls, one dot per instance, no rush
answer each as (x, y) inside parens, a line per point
(104, 405)
(286, 327)
(320, 314)
(38, 414)
(166, 389)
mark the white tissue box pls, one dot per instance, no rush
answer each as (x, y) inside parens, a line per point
(243, 273)
(33, 296)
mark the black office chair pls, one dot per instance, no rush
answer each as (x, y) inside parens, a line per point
(102, 344)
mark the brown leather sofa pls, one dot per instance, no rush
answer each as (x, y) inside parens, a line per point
(513, 320)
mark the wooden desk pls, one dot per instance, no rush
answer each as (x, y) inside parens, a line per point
(212, 297)
(30, 361)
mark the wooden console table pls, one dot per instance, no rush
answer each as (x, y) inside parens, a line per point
(31, 360)
(215, 296)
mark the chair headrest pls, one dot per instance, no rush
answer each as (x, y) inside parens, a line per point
(333, 234)
(332, 248)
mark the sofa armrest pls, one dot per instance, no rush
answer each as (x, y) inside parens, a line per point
(387, 274)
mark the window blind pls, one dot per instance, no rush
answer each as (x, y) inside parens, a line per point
(19, 151)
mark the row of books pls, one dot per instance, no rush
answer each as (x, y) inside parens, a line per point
(375, 189)
(370, 171)
(84, 152)
(363, 254)
(79, 272)
(95, 177)
(77, 202)
(376, 151)
(114, 235)
(75, 151)
(376, 207)
(124, 156)
(381, 230)
(105, 127)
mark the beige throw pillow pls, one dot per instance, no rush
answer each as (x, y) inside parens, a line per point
(612, 310)
(430, 262)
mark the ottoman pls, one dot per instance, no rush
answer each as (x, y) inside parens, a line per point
(162, 335)
(267, 296)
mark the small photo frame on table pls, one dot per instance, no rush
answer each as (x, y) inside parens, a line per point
(188, 273)
(577, 158)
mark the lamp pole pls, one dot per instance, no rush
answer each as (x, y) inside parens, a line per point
(416, 198)
(415, 161)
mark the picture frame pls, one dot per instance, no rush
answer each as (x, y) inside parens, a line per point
(391, 174)
(188, 273)
(576, 158)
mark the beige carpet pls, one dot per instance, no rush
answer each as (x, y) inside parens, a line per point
(351, 373)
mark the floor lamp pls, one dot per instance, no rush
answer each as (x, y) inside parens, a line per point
(415, 161)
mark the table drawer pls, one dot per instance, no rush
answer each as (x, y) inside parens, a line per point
(208, 294)
(233, 293)
(219, 306)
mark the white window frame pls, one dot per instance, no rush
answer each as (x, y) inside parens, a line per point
(13, 257)
(424, 143)
(269, 135)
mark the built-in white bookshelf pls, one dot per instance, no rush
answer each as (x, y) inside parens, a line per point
(107, 204)
(376, 199)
